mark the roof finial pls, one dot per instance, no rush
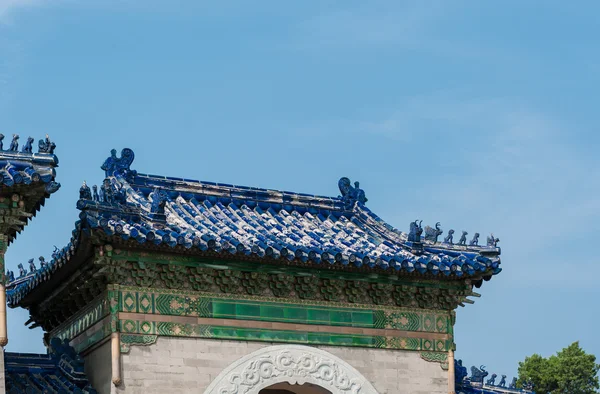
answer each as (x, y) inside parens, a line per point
(350, 194)
(120, 166)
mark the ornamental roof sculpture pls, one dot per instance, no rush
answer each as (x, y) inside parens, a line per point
(26, 180)
(477, 384)
(254, 224)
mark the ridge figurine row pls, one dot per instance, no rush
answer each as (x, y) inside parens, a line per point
(44, 145)
(477, 379)
(106, 193)
(10, 275)
(432, 234)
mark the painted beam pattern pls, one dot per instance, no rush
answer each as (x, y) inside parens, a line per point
(171, 313)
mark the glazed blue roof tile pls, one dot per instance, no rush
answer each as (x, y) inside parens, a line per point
(257, 224)
(28, 174)
(59, 371)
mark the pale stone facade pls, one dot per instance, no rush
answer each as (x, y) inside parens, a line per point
(98, 368)
(189, 366)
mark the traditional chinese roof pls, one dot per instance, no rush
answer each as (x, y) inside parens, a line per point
(26, 180)
(478, 384)
(59, 371)
(261, 225)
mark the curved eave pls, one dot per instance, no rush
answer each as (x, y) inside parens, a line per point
(33, 287)
(30, 176)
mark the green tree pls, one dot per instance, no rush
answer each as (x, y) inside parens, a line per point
(570, 371)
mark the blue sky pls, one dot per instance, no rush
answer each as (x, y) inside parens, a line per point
(480, 115)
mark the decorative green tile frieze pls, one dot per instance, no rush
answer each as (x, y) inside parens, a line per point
(174, 303)
(150, 329)
(436, 357)
(128, 340)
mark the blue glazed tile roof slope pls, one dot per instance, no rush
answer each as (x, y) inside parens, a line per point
(28, 174)
(258, 224)
(60, 371)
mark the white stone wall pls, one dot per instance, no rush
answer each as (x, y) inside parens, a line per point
(98, 368)
(188, 365)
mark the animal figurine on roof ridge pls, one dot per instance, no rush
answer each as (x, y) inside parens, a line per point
(84, 192)
(14, 144)
(159, 200)
(463, 238)
(492, 241)
(502, 382)
(475, 240)
(46, 146)
(478, 374)
(415, 231)
(22, 271)
(460, 372)
(432, 234)
(28, 147)
(10, 276)
(95, 195)
(350, 194)
(449, 237)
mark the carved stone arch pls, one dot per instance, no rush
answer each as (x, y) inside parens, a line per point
(293, 364)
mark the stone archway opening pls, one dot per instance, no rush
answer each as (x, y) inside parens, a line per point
(295, 368)
(286, 388)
